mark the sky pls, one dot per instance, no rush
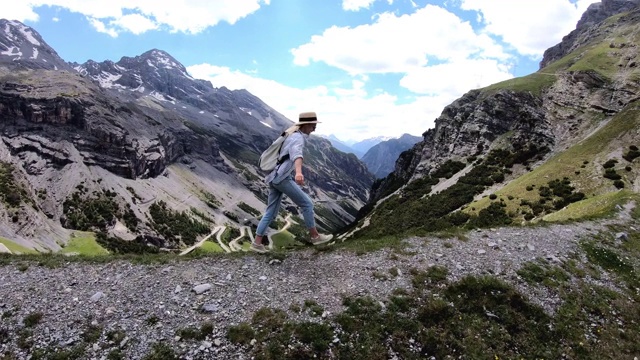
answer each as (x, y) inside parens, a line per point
(368, 68)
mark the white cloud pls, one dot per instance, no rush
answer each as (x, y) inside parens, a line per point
(349, 112)
(102, 28)
(454, 79)
(355, 5)
(135, 23)
(20, 11)
(188, 16)
(398, 43)
(530, 26)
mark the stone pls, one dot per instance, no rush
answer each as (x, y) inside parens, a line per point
(202, 288)
(97, 296)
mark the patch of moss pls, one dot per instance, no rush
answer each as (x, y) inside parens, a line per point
(541, 272)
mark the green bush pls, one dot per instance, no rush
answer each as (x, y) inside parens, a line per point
(610, 163)
(249, 209)
(611, 174)
(631, 154)
(117, 245)
(175, 226)
(94, 212)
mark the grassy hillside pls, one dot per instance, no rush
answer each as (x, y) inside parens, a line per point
(583, 165)
(16, 248)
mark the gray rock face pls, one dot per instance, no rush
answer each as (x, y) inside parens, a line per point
(120, 145)
(468, 127)
(595, 14)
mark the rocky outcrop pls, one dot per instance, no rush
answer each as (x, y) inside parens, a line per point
(471, 126)
(584, 31)
(25, 118)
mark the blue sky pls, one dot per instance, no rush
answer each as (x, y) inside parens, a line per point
(367, 67)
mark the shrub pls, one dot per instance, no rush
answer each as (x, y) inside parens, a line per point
(610, 163)
(632, 153)
(95, 212)
(117, 245)
(618, 184)
(231, 215)
(11, 192)
(249, 209)
(611, 174)
(32, 319)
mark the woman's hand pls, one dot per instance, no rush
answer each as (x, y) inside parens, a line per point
(299, 178)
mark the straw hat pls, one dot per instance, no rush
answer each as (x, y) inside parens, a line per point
(307, 118)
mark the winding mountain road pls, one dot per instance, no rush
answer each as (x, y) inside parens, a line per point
(233, 244)
(217, 229)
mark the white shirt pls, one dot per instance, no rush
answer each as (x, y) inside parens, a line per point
(293, 145)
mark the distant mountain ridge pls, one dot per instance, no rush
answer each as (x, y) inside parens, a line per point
(363, 146)
(381, 158)
(338, 144)
(358, 148)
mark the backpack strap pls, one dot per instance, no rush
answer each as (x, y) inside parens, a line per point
(286, 156)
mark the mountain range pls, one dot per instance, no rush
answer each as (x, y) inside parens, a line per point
(126, 147)
(379, 154)
(381, 157)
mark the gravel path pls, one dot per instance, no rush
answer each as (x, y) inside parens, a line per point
(150, 302)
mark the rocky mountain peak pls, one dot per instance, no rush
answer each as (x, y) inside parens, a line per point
(154, 60)
(596, 13)
(22, 46)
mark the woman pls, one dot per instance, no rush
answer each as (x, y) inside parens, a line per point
(281, 182)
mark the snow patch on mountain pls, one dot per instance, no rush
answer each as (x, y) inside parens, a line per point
(12, 51)
(107, 80)
(26, 32)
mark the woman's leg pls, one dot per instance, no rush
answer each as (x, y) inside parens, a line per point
(273, 206)
(300, 198)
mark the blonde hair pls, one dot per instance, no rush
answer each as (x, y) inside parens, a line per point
(292, 129)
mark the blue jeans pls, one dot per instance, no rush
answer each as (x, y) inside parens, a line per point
(292, 190)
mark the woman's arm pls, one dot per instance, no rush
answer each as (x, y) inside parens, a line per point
(299, 178)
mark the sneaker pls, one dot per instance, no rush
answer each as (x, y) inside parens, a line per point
(258, 248)
(321, 239)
